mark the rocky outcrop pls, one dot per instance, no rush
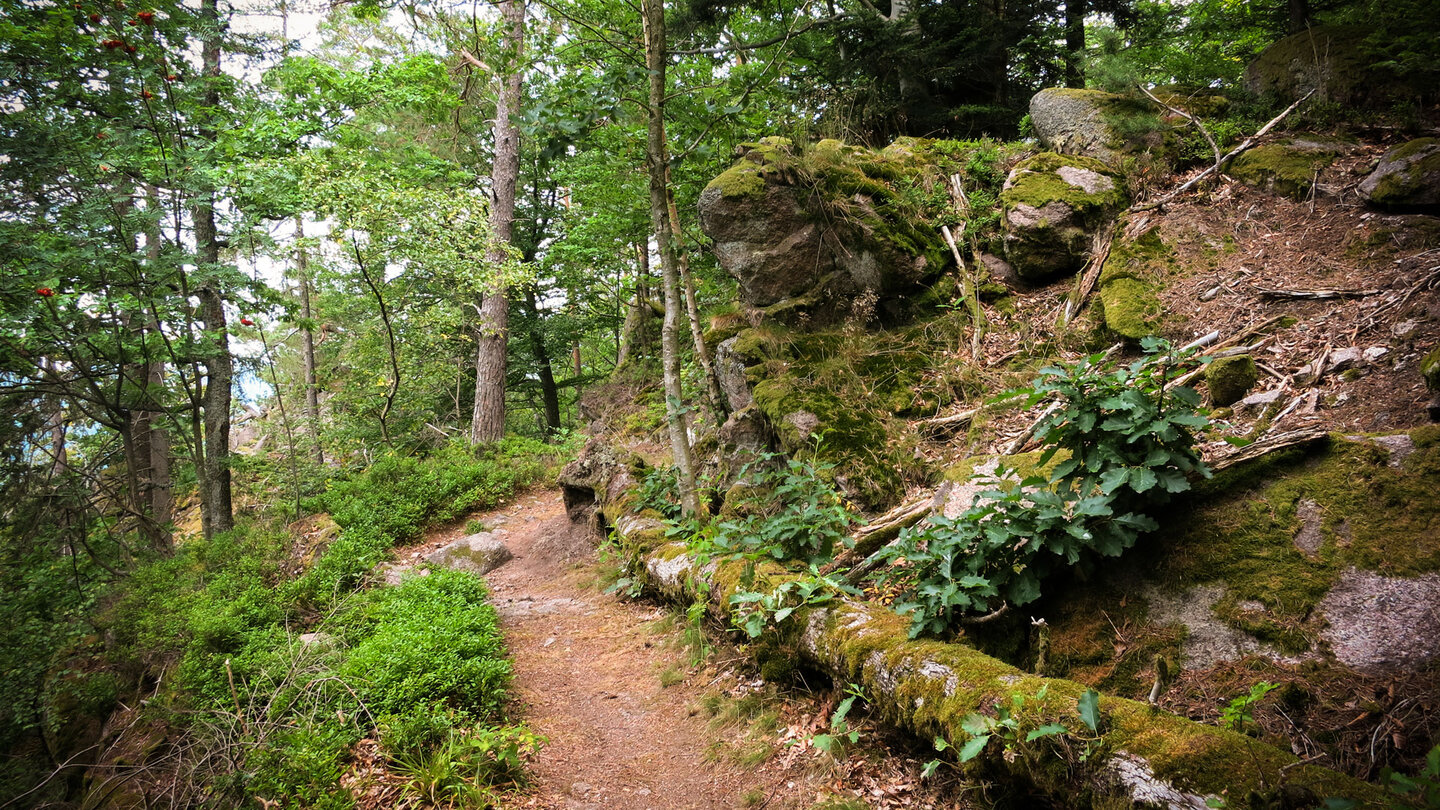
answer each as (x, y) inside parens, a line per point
(1053, 206)
(601, 475)
(1331, 62)
(1407, 177)
(818, 238)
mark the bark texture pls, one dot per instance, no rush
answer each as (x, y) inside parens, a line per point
(657, 156)
(487, 420)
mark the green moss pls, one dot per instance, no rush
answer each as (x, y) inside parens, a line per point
(1036, 184)
(1230, 378)
(741, 180)
(1373, 516)
(1281, 167)
(1430, 369)
(1131, 308)
(1398, 188)
(1411, 148)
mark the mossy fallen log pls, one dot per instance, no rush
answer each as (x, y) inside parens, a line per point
(1140, 757)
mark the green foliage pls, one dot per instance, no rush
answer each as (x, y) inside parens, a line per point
(1422, 789)
(791, 513)
(1239, 713)
(1014, 726)
(660, 490)
(841, 733)
(432, 639)
(1126, 444)
(754, 610)
(462, 770)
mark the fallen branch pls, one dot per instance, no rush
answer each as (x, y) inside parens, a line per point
(1313, 295)
(1246, 145)
(1099, 253)
(954, 421)
(875, 535)
(1268, 445)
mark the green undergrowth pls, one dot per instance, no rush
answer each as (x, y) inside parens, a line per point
(422, 665)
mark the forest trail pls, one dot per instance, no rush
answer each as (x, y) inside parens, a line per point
(587, 677)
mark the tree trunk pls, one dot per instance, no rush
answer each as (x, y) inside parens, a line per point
(713, 396)
(1299, 15)
(635, 340)
(549, 394)
(1074, 43)
(487, 421)
(657, 156)
(219, 365)
(307, 344)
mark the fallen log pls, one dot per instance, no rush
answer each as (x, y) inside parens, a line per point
(1139, 756)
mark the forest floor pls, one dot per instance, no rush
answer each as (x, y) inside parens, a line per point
(633, 718)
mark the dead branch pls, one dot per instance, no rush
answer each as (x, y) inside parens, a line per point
(1210, 139)
(1429, 281)
(1313, 295)
(955, 421)
(871, 537)
(1246, 145)
(1270, 444)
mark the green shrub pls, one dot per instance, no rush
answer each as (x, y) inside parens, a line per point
(1128, 445)
(431, 639)
(791, 513)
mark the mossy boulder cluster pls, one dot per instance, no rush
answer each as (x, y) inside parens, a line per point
(1095, 124)
(1407, 177)
(1333, 63)
(826, 234)
(1053, 206)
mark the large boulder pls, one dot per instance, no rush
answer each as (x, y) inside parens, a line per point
(1092, 123)
(599, 484)
(1331, 62)
(1407, 177)
(822, 236)
(1053, 206)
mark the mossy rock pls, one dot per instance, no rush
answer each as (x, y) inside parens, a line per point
(1331, 62)
(837, 233)
(1288, 168)
(1053, 204)
(1267, 545)
(1130, 282)
(1094, 123)
(1430, 370)
(852, 389)
(1407, 177)
(1230, 378)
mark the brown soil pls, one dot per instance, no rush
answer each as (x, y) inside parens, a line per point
(588, 671)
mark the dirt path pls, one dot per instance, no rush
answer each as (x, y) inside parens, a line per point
(587, 677)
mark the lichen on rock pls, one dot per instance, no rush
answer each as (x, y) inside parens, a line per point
(1288, 167)
(1407, 177)
(1053, 204)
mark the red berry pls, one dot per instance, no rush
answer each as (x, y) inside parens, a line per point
(94, 18)
(44, 292)
(171, 77)
(132, 22)
(146, 17)
(146, 94)
(247, 322)
(131, 49)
